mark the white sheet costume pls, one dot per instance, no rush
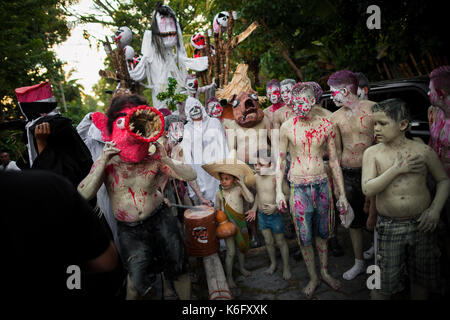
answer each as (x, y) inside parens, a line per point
(204, 141)
(158, 69)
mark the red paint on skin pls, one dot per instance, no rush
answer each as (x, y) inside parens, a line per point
(132, 194)
(361, 119)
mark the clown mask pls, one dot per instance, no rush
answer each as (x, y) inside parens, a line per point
(133, 131)
(198, 41)
(175, 133)
(273, 94)
(302, 104)
(167, 29)
(214, 109)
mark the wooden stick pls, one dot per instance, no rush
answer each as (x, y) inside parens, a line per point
(210, 58)
(215, 277)
(217, 60)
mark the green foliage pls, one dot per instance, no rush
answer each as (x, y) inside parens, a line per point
(169, 96)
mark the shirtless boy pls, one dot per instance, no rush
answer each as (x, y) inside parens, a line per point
(395, 171)
(270, 219)
(305, 137)
(354, 134)
(132, 178)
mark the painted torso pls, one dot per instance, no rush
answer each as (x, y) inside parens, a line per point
(265, 189)
(233, 196)
(407, 195)
(133, 188)
(356, 129)
(306, 140)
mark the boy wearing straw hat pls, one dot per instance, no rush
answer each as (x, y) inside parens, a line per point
(235, 178)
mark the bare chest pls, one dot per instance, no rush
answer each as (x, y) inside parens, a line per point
(122, 175)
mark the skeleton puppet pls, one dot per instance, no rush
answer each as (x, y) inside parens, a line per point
(159, 61)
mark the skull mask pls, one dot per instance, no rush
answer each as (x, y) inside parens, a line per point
(273, 94)
(221, 20)
(123, 35)
(129, 52)
(246, 110)
(192, 85)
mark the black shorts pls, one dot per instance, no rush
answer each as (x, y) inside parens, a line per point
(355, 196)
(152, 246)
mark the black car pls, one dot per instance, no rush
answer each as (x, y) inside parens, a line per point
(414, 91)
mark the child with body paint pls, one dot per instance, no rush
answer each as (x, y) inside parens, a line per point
(270, 219)
(305, 136)
(395, 171)
(235, 178)
(354, 134)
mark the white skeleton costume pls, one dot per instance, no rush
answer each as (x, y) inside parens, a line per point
(159, 61)
(203, 142)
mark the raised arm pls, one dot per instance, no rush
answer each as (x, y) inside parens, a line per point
(173, 168)
(248, 196)
(89, 186)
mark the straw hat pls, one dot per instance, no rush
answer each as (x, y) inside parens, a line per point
(231, 166)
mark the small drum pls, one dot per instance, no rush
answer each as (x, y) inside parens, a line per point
(200, 231)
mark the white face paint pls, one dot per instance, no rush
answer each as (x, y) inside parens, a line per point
(273, 94)
(168, 30)
(196, 113)
(214, 109)
(302, 104)
(285, 92)
(338, 96)
(361, 94)
(175, 133)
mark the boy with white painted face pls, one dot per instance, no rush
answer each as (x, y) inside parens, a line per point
(273, 94)
(354, 134)
(285, 112)
(305, 136)
(395, 170)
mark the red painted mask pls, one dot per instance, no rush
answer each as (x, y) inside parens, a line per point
(132, 132)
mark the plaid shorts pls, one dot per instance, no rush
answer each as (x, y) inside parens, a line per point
(401, 250)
